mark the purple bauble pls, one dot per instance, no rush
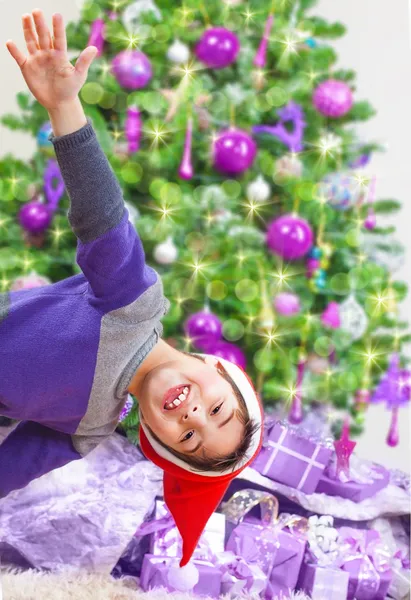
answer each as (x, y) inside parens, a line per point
(333, 98)
(217, 48)
(204, 329)
(234, 151)
(287, 304)
(35, 217)
(132, 69)
(230, 352)
(290, 236)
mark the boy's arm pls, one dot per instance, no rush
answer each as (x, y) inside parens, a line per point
(109, 250)
(30, 451)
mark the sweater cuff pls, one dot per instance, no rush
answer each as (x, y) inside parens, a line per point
(74, 139)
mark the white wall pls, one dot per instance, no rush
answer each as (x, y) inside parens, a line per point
(377, 46)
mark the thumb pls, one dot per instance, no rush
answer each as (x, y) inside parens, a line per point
(85, 59)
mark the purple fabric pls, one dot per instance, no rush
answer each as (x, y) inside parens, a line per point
(154, 575)
(320, 582)
(357, 492)
(292, 459)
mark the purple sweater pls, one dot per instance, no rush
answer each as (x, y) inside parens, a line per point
(69, 350)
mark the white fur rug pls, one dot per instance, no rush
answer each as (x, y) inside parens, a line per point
(75, 585)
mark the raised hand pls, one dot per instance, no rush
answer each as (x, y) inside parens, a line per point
(50, 76)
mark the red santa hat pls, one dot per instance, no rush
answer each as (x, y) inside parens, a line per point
(190, 496)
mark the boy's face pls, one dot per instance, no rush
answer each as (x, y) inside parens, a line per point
(205, 421)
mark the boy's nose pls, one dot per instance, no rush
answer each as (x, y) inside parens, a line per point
(193, 413)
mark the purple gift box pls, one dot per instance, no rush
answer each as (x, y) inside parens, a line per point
(292, 459)
(155, 569)
(278, 553)
(323, 582)
(352, 490)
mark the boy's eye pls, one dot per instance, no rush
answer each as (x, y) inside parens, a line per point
(188, 436)
(217, 408)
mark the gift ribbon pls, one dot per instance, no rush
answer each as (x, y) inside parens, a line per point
(243, 576)
(308, 459)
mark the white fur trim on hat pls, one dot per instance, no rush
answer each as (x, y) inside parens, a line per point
(248, 393)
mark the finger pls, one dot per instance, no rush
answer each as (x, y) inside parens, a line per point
(29, 34)
(16, 54)
(59, 33)
(85, 59)
(43, 32)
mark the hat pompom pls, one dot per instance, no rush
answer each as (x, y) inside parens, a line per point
(183, 579)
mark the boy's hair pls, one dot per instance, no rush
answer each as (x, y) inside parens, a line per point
(220, 463)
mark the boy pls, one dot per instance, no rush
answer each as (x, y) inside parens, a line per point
(71, 352)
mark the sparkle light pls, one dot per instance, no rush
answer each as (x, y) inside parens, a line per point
(58, 233)
(5, 283)
(27, 262)
(188, 70)
(248, 15)
(282, 275)
(370, 355)
(159, 133)
(383, 300)
(185, 13)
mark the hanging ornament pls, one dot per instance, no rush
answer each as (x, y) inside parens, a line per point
(231, 352)
(289, 236)
(133, 129)
(333, 98)
(178, 52)
(28, 282)
(344, 447)
(166, 253)
(126, 409)
(96, 37)
(394, 388)
(288, 166)
(217, 48)
(318, 261)
(370, 222)
(287, 304)
(233, 151)
(260, 58)
(43, 142)
(132, 69)
(331, 317)
(204, 329)
(353, 318)
(296, 411)
(185, 170)
(35, 217)
(132, 14)
(291, 114)
(341, 190)
(258, 190)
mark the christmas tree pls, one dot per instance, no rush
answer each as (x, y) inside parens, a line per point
(233, 137)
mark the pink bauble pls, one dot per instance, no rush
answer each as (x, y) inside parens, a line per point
(35, 217)
(333, 98)
(287, 304)
(290, 236)
(331, 316)
(217, 48)
(132, 69)
(228, 351)
(204, 329)
(234, 151)
(28, 282)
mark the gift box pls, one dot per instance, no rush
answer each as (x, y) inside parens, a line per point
(366, 480)
(239, 576)
(155, 569)
(165, 539)
(367, 562)
(291, 458)
(323, 582)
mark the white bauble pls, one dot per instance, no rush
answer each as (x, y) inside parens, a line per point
(178, 52)
(30, 281)
(288, 165)
(131, 15)
(258, 190)
(166, 252)
(353, 318)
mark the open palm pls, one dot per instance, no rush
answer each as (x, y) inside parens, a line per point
(50, 76)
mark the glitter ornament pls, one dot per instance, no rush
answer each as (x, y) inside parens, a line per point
(287, 304)
(288, 166)
(166, 253)
(353, 318)
(217, 48)
(258, 190)
(233, 151)
(35, 216)
(28, 282)
(333, 98)
(178, 52)
(289, 236)
(132, 69)
(204, 329)
(341, 190)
